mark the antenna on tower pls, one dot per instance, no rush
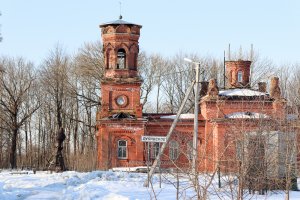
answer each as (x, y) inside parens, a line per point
(251, 53)
(224, 68)
(240, 53)
(120, 3)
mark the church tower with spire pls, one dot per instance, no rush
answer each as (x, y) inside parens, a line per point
(119, 121)
(121, 83)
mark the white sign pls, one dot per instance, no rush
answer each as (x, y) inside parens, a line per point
(154, 139)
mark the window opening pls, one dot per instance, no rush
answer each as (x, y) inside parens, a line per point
(121, 59)
(122, 149)
(155, 149)
(173, 150)
(240, 76)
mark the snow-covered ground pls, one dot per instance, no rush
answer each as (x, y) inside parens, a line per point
(98, 185)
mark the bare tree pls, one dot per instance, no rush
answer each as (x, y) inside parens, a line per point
(18, 83)
(148, 73)
(54, 80)
(88, 66)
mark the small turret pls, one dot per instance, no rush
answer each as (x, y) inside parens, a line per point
(238, 74)
(213, 89)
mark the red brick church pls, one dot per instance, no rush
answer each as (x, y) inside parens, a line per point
(230, 120)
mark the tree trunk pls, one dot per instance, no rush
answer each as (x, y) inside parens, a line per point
(12, 153)
(30, 146)
(19, 145)
(39, 144)
(26, 143)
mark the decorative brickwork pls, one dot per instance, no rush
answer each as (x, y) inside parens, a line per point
(120, 117)
(117, 38)
(225, 115)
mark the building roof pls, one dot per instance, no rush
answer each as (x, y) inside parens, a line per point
(170, 116)
(241, 92)
(119, 22)
(182, 116)
(248, 115)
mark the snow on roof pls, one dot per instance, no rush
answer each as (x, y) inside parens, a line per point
(118, 22)
(182, 116)
(249, 115)
(241, 92)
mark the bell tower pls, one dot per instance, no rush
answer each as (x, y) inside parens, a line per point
(121, 83)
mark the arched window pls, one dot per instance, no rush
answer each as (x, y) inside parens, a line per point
(173, 150)
(155, 150)
(189, 150)
(122, 149)
(121, 64)
(240, 76)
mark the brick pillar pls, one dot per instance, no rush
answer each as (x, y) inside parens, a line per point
(204, 88)
(262, 87)
(279, 109)
(275, 91)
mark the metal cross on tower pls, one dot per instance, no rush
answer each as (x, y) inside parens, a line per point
(120, 3)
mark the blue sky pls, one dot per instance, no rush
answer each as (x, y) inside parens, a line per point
(31, 28)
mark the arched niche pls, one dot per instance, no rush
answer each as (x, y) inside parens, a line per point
(109, 56)
(134, 51)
